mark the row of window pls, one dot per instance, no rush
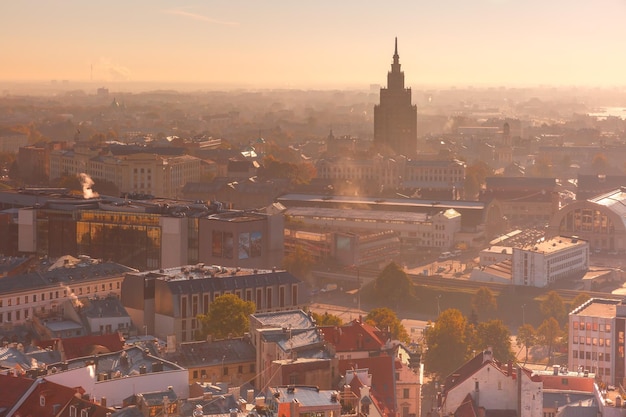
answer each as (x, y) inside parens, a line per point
(593, 341)
(594, 356)
(593, 326)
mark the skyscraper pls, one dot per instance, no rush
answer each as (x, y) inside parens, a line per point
(395, 118)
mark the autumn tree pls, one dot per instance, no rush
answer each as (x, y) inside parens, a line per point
(527, 337)
(228, 315)
(475, 175)
(579, 300)
(553, 306)
(494, 334)
(393, 285)
(600, 164)
(548, 333)
(484, 302)
(447, 342)
(385, 319)
(326, 319)
(298, 263)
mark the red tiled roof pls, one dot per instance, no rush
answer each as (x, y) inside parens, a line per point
(78, 347)
(44, 395)
(354, 336)
(13, 388)
(467, 408)
(382, 369)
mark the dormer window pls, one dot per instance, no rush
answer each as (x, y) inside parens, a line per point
(72, 411)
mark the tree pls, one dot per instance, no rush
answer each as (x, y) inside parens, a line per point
(484, 302)
(475, 175)
(447, 342)
(527, 337)
(298, 263)
(384, 318)
(548, 333)
(599, 164)
(326, 319)
(553, 306)
(228, 316)
(495, 334)
(579, 300)
(393, 285)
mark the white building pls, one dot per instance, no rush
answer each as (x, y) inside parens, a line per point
(484, 383)
(546, 262)
(116, 376)
(495, 254)
(596, 339)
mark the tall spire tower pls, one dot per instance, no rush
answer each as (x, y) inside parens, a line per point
(395, 118)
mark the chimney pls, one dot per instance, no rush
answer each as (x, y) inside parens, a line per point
(488, 354)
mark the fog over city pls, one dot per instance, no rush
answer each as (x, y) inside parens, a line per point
(318, 209)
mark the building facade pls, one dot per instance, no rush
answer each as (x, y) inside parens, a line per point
(546, 262)
(42, 294)
(168, 301)
(596, 339)
(395, 118)
(599, 220)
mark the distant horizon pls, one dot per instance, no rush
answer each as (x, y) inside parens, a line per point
(91, 87)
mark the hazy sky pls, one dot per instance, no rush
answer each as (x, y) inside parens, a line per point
(317, 43)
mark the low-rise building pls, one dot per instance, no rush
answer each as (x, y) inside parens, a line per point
(42, 294)
(543, 263)
(485, 384)
(168, 301)
(118, 375)
(298, 400)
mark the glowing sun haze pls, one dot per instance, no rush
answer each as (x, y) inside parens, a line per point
(316, 43)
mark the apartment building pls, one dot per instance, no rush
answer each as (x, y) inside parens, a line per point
(596, 339)
(167, 301)
(42, 293)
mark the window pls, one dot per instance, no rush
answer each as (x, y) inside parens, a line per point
(588, 326)
(575, 325)
(42, 400)
(72, 411)
(225, 370)
(240, 369)
(608, 327)
(195, 374)
(405, 393)
(607, 357)
(575, 354)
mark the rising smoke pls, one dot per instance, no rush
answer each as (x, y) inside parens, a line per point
(86, 182)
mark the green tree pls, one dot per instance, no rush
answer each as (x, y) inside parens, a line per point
(553, 306)
(475, 175)
(228, 315)
(527, 337)
(447, 343)
(548, 333)
(484, 302)
(326, 319)
(495, 334)
(579, 300)
(384, 318)
(298, 263)
(393, 285)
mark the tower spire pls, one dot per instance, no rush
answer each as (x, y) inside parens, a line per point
(396, 57)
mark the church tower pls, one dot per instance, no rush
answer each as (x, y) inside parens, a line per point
(395, 118)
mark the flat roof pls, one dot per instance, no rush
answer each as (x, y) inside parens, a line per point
(601, 308)
(403, 202)
(380, 216)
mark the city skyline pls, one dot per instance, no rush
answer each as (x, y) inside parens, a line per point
(315, 45)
